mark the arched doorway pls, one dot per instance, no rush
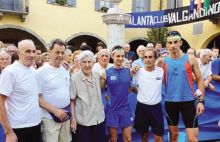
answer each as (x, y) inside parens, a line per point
(91, 39)
(215, 42)
(185, 46)
(10, 34)
(134, 43)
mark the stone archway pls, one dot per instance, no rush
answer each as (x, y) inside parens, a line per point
(90, 38)
(213, 41)
(11, 34)
(135, 42)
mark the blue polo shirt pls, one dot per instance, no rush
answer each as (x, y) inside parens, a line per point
(118, 83)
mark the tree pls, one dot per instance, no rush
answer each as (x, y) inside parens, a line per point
(157, 34)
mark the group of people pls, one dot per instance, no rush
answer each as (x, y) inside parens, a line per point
(82, 93)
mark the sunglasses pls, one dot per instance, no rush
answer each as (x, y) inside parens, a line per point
(173, 33)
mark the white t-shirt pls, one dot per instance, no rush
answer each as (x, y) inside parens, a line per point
(19, 84)
(98, 68)
(54, 85)
(149, 85)
(206, 70)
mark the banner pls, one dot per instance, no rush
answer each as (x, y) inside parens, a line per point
(173, 17)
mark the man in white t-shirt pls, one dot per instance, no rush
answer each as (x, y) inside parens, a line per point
(205, 67)
(103, 61)
(54, 82)
(103, 64)
(148, 110)
(19, 106)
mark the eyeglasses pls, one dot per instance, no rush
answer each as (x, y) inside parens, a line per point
(173, 33)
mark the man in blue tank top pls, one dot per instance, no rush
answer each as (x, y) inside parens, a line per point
(118, 112)
(179, 91)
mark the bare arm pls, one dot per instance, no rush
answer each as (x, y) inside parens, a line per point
(198, 76)
(73, 119)
(10, 135)
(200, 106)
(160, 62)
(216, 77)
(103, 80)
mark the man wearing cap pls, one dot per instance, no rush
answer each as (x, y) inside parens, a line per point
(179, 91)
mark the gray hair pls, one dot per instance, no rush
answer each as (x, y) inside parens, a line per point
(68, 52)
(204, 52)
(86, 54)
(140, 47)
(23, 42)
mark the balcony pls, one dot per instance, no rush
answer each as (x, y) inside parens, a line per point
(15, 7)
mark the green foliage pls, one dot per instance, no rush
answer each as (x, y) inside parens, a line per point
(104, 9)
(157, 34)
(61, 2)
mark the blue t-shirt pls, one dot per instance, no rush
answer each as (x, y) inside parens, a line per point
(118, 83)
(178, 79)
(216, 67)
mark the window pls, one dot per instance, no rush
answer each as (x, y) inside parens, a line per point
(63, 2)
(174, 4)
(141, 5)
(11, 5)
(103, 5)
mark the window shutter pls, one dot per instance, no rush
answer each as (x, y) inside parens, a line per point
(97, 4)
(51, 1)
(134, 5)
(147, 5)
(179, 3)
(71, 2)
(170, 4)
(18, 5)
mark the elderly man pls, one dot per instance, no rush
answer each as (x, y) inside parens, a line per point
(88, 107)
(5, 60)
(103, 61)
(19, 91)
(130, 55)
(54, 83)
(205, 67)
(139, 62)
(11, 49)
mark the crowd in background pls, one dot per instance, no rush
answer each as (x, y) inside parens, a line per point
(59, 58)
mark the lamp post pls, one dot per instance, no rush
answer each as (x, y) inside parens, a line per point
(115, 19)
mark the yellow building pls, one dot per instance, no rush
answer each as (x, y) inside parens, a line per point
(76, 21)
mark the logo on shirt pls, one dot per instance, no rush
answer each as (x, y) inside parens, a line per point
(113, 77)
(175, 71)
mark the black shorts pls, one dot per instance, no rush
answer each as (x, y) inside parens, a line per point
(149, 116)
(187, 110)
(29, 134)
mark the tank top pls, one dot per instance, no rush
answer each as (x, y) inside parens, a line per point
(178, 79)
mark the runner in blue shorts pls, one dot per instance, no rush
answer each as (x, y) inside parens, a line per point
(118, 112)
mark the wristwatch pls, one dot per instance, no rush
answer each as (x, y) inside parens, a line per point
(202, 101)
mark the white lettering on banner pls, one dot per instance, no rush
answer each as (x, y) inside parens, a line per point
(174, 17)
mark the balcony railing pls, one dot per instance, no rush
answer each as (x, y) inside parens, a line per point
(16, 7)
